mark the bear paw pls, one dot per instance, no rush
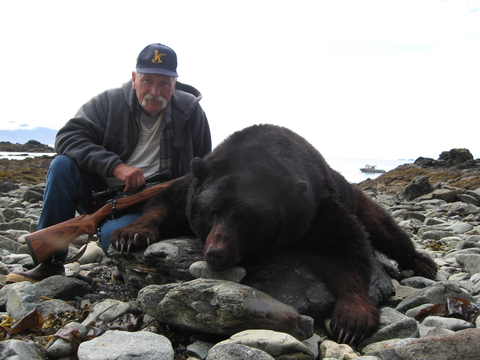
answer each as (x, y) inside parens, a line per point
(424, 266)
(132, 237)
(354, 318)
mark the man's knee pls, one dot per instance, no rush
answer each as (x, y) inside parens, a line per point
(62, 163)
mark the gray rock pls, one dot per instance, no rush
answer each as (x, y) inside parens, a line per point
(436, 294)
(446, 323)
(221, 307)
(6, 186)
(21, 350)
(236, 352)
(8, 244)
(59, 348)
(199, 349)
(469, 262)
(200, 270)
(54, 306)
(30, 195)
(403, 329)
(22, 299)
(276, 344)
(469, 199)
(461, 209)
(417, 282)
(459, 228)
(435, 234)
(113, 345)
(109, 310)
(331, 350)
(61, 287)
(460, 345)
(12, 214)
(419, 186)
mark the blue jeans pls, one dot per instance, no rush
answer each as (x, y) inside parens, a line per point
(69, 189)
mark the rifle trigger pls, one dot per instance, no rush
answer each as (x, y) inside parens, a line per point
(114, 204)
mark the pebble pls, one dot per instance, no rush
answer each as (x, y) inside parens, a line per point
(444, 223)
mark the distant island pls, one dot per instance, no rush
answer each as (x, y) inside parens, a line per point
(31, 146)
(22, 136)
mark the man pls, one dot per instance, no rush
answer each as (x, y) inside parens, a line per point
(151, 123)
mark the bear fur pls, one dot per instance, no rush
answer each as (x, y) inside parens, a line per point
(266, 189)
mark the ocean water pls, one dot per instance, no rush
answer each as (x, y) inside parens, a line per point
(348, 167)
(20, 155)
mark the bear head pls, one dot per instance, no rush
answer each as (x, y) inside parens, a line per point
(243, 212)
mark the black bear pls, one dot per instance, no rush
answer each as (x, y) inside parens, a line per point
(265, 189)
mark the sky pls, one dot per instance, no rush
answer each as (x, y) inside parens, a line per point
(359, 79)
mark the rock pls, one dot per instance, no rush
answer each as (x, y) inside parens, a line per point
(276, 344)
(460, 345)
(59, 347)
(113, 345)
(22, 298)
(236, 352)
(93, 254)
(469, 199)
(446, 323)
(32, 196)
(330, 349)
(460, 228)
(221, 307)
(200, 270)
(403, 329)
(6, 186)
(61, 287)
(55, 306)
(419, 186)
(456, 156)
(20, 350)
(199, 349)
(469, 262)
(109, 310)
(417, 282)
(436, 294)
(8, 244)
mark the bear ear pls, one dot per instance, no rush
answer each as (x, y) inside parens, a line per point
(199, 168)
(299, 188)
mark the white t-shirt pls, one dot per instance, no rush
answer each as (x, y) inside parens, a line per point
(147, 153)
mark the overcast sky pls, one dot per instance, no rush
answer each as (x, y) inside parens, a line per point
(375, 79)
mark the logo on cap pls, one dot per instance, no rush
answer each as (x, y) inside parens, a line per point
(158, 57)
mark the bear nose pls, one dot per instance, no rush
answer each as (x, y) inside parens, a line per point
(215, 256)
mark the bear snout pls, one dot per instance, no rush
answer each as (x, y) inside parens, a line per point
(221, 247)
(216, 257)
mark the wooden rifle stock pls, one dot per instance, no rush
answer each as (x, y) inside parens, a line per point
(44, 243)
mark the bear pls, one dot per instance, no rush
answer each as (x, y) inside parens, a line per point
(266, 189)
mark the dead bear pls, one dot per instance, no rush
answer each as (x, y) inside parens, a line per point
(264, 189)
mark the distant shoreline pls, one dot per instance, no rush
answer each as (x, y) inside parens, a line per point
(31, 146)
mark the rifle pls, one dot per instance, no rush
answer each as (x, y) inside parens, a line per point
(44, 243)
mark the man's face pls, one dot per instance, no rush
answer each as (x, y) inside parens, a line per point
(153, 91)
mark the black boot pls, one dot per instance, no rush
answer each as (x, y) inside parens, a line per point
(42, 271)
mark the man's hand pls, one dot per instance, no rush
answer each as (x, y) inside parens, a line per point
(132, 176)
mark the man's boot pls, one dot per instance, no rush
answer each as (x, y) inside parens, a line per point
(42, 271)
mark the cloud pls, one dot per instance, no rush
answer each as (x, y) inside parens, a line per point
(340, 73)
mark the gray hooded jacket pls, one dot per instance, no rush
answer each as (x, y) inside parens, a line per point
(104, 132)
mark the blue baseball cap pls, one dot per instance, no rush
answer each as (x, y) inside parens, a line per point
(157, 59)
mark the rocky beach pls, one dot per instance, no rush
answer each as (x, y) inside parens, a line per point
(170, 306)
